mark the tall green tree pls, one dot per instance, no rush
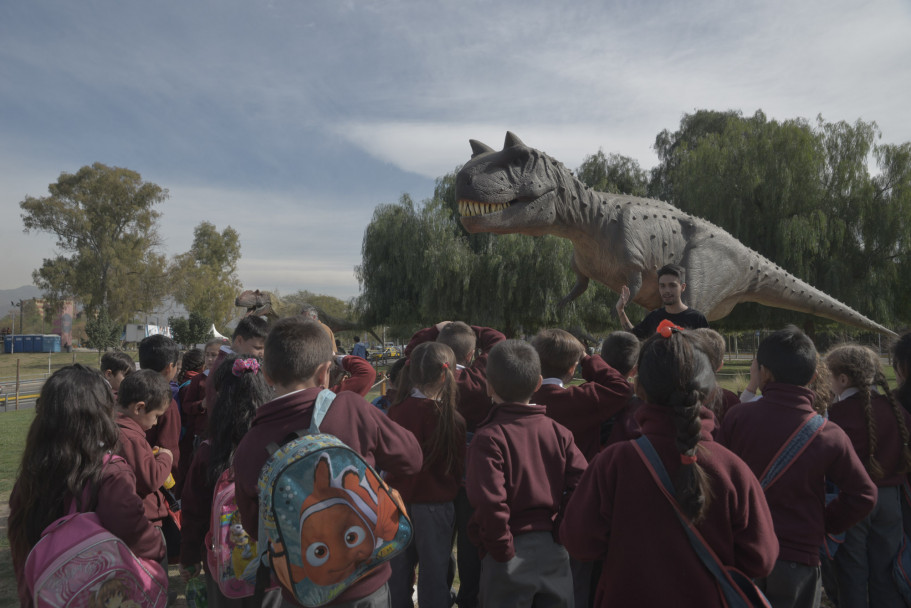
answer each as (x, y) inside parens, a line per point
(204, 279)
(191, 330)
(107, 233)
(103, 332)
(613, 173)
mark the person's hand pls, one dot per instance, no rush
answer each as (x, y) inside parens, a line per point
(624, 299)
(753, 386)
(441, 325)
(161, 450)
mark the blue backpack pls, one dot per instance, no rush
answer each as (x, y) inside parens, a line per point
(327, 516)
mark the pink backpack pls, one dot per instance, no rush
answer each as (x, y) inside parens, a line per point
(231, 554)
(78, 563)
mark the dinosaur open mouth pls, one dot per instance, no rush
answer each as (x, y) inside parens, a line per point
(469, 208)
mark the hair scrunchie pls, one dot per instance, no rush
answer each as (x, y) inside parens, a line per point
(666, 328)
(242, 366)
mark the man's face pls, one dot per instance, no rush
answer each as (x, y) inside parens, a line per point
(670, 288)
(253, 347)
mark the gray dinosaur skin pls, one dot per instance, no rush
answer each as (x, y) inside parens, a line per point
(623, 240)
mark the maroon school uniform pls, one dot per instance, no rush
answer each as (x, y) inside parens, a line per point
(210, 393)
(193, 405)
(119, 510)
(625, 425)
(196, 508)
(361, 376)
(166, 434)
(522, 467)
(582, 409)
(474, 403)
(151, 470)
(619, 514)
(434, 484)
(381, 442)
(755, 431)
(849, 415)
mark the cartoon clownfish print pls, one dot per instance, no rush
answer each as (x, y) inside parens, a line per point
(342, 523)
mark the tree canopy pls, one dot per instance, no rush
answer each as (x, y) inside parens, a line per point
(107, 233)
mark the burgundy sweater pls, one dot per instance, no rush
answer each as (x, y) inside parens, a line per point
(361, 378)
(849, 415)
(166, 434)
(618, 514)
(193, 405)
(755, 431)
(433, 484)
(151, 470)
(196, 508)
(381, 442)
(522, 467)
(583, 408)
(474, 403)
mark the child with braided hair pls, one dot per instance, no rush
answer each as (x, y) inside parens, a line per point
(878, 428)
(618, 512)
(428, 408)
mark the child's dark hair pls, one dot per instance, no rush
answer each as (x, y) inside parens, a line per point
(117, 361)
(157, 352)
(147, 386)
(863, 369)
(620, 350)
(251, 327)
(674, 373)
(192, 361)
(513, 370)
(239, 395)
(295, 348)
(72, 430)
(428, 363)
(901, 361)
(460, 337)
(712, 344)
(789, 354)
(558, 351)
(673, 270)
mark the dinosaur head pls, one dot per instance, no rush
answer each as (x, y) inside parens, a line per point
(511, 190)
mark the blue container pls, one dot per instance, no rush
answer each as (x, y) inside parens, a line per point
(18, 342)
(50, 343)
(28, 343)
(7, 344)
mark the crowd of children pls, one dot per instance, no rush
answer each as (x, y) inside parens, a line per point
(643, 485)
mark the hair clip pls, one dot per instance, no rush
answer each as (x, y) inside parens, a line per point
(666, 328)
(244, 365)
(684, 459)
(445, 366)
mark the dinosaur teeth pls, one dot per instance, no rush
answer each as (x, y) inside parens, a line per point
(471, 208)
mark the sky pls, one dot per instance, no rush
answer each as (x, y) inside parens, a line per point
(291, 120)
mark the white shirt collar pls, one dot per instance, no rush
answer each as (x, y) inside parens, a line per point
(556, 381)
(416, 392)
(847, 393)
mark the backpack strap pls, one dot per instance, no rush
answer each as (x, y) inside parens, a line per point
(733, 596)
(792, 448)
(320, 409)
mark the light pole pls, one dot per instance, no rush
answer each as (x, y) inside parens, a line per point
(12, 316)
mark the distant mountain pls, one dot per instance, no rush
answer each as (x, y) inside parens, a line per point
(26, 292)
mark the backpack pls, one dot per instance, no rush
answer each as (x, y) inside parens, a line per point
(327, 516)
(78, 563)
(231, 554)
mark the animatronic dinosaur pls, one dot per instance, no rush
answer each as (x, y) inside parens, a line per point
(623, 240)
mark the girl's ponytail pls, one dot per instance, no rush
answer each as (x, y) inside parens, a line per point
(429, 362)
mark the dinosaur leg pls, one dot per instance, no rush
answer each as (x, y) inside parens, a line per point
(578, 289)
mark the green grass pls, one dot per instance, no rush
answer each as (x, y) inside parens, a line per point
(35, 364)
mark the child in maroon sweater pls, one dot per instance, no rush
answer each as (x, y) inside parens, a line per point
(144, 397)
(522, 467)
(878, 428)
(429, 411)
(619, 513)
(757, 430)
(297, 358)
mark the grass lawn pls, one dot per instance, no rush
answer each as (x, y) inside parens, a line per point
(35, 364)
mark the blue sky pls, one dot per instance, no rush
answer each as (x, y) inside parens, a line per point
(290, 120)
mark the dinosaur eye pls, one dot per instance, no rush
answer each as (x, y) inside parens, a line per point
(317, 554)
(354, 536)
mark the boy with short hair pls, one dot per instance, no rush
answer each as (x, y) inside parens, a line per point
(297, 358)
(115, 365)
(160, 354)
(757, 430)
(712, 344)
(522, 468)
(143, 398)
(249, 338)
(620, 350)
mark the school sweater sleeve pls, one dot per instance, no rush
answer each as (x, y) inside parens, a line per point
(428, 334)
(194, 399)
(196, 508)
(486, 488)
(120, 510)
(611, 388)
(755, 543)
(151, 470)
(397, 450)
(587, 518)
(857, 492)
(362, 376)
(166, 434)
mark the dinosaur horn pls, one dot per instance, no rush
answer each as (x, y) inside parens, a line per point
(478, 148)
(512, 140)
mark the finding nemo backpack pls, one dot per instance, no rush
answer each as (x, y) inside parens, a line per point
(78, 563)
(326, 515)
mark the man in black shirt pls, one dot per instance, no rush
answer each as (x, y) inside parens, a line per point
(671, 286)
